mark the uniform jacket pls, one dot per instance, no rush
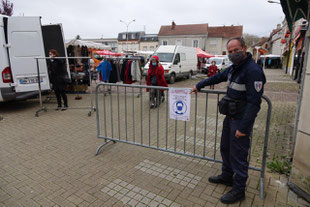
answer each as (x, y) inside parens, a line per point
(158, 71)
(244, 82)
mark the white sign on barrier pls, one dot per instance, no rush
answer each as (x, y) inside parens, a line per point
(179, 103)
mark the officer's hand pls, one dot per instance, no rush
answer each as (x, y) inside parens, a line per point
(194, 90)
(239, 134)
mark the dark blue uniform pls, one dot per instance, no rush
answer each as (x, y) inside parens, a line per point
(245, 82)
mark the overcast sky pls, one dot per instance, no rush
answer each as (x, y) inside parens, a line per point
(101, 18)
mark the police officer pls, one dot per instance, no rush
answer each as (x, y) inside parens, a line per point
(245, 82)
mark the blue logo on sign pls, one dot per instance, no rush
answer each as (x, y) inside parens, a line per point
(180, 107)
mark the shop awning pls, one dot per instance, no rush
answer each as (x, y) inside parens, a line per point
(89, 44)
(201, 53)
(294, 10)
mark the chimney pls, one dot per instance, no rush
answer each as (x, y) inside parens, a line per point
(173, 25)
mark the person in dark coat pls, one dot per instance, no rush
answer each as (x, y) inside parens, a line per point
(155, 77)
(245, 87)
(59, 76)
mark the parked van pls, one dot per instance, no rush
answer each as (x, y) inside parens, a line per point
(178, 61)
(21, 40)
(221, 62)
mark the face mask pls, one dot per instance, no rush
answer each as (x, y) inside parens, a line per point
(236, 58)
(213, 63)
(154, 64)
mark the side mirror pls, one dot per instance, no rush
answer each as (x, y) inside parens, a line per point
(176, 61)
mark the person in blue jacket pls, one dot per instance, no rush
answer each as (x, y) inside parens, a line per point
(245, 87)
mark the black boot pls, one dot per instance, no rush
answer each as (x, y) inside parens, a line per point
(232, 197)
(219, 180)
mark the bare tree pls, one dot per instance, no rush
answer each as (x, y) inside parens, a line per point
(250, 39)
(6, 8)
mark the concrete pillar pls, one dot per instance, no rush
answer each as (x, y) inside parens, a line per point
(300, 175)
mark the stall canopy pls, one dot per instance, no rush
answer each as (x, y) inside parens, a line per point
(201, 53)
(294, 10)
(89, 44)
(107, 52)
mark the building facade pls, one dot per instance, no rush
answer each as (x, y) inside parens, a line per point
(149, 42)
(129, 41)
(210, 39)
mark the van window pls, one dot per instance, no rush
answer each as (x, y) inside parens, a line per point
(183, 56)
(176, 59)
(165, 57)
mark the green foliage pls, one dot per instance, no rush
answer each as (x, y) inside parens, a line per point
(281, 165)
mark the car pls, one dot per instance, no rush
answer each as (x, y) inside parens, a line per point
(221, 62)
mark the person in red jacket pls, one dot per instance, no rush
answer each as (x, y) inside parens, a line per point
(212, 71)
(155, 77)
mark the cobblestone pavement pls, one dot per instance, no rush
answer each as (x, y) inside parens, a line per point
(49, 161)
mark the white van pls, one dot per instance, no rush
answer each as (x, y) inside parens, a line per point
(178, 61)
(21, 40)
(221, 62)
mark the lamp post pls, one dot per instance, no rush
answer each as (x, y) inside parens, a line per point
(127, 25)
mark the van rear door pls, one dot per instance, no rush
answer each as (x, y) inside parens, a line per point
(24, 43)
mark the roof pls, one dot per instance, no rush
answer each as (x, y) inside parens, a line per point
(149, 38)
(131, 36)
(188, 29)
(225, 31)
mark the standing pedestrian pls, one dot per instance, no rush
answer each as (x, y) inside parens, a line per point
(212, 71)
(241, 104)
(155, 77)
(59, 78)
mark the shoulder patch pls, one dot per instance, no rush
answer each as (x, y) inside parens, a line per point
(258, 85)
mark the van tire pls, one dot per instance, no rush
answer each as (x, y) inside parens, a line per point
(190, 74)
(172, 78)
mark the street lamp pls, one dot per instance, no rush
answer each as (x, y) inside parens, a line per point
(127, 25)
(273, 2)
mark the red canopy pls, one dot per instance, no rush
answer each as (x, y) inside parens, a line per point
(107, 52)
(201, 53)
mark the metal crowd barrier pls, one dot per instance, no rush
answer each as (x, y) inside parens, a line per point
(43, 108)
(123, 117)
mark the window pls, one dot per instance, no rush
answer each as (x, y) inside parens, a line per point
(213, 42)
(124, 36)
(195, 43)
(133, 36)
(144, 48)
(165, 42)
(178, 42)
(165, 57)
(152, 48)
(176, 59)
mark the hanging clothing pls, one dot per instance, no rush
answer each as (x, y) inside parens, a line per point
(123, 70)
(135, 71)
(114, 76)
(128, 76)
(104, 68)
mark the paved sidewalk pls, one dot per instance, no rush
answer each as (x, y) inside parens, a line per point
(49, 161)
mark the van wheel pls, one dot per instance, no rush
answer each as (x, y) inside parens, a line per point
(190, 75)
(172, 78)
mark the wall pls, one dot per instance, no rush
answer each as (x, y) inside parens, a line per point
(148, 46)
(216, 45)
(186, 40)
(300, 175)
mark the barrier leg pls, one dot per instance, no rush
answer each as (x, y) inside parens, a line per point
(42, 108)
(105, 142)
